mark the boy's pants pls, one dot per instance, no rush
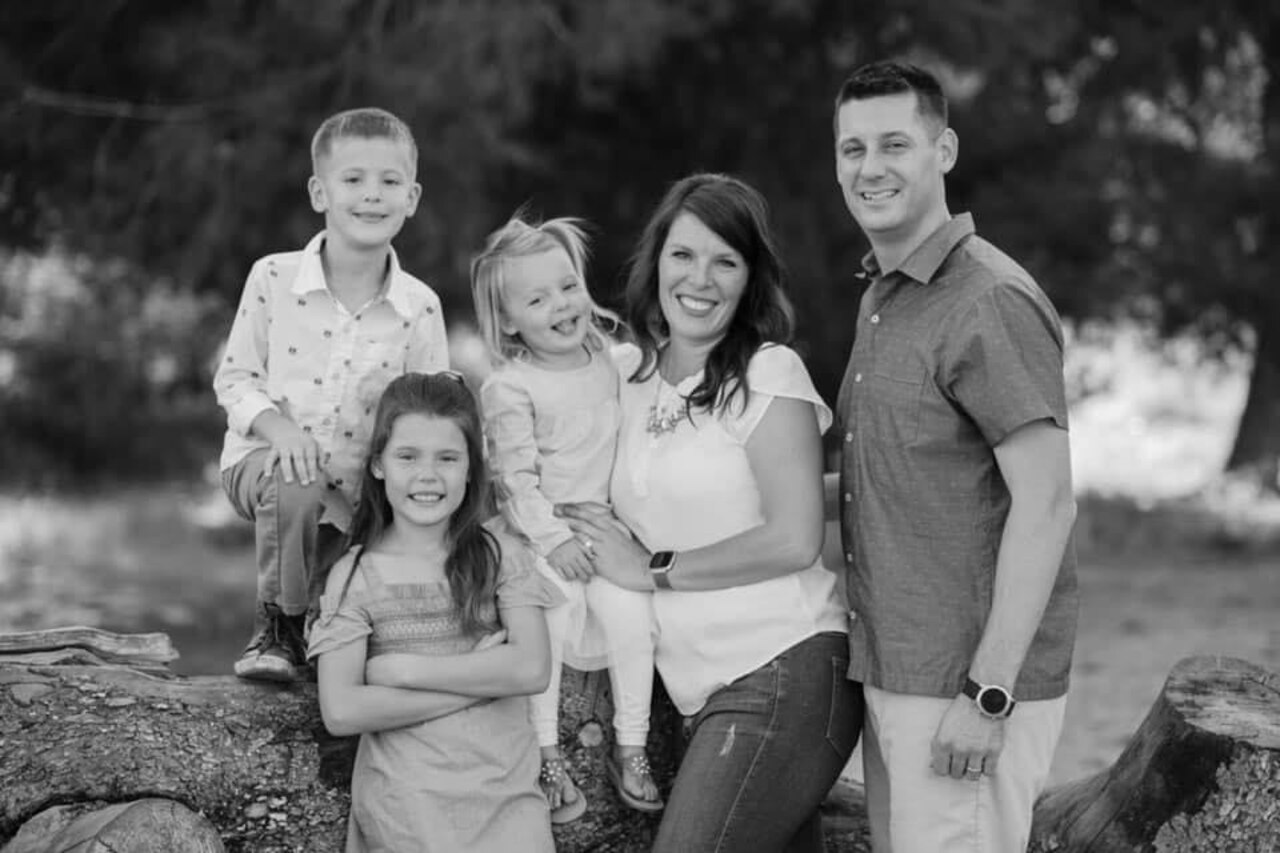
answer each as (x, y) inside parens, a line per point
(911, 809)
(293, 547)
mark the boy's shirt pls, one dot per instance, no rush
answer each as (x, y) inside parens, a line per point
(294, 348)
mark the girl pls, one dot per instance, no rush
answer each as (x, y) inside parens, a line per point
(429, 637)
(551, 416)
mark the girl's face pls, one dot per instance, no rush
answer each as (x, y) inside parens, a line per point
(547, 305)
(701, 279)
(424, 469)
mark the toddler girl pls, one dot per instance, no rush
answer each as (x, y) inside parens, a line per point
(429, 638)
(551, 417)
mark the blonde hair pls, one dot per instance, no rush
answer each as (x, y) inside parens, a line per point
(362, 123)
(519, 238)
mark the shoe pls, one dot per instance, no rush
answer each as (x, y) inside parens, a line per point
(277, 651)
(639, 765)
(554, 775)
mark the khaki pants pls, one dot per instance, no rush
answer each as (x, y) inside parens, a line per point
(911, 809)
(293, 549)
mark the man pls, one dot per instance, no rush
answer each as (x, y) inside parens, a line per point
(956, 494)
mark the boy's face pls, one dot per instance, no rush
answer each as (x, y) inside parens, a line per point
(365, 189)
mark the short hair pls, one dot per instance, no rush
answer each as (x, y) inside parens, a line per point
(894, 78)
(520, 238)
(362, 123)
(739, 215)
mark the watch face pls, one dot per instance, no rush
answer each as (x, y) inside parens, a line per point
(993, 701)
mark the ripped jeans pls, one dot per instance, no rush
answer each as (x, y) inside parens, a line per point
(762, 754)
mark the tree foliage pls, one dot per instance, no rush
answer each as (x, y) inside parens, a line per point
(1123, 151)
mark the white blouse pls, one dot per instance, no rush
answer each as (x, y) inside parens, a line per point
(681, 483)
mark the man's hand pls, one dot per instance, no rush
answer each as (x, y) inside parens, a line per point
(967, 743)
(572, 560)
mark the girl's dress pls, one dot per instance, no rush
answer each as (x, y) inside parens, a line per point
(463, 782)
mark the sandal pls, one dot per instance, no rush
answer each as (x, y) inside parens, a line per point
(638, 764)
(554, 774)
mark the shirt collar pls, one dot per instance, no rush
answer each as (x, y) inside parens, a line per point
(311, 278)
(924, 263)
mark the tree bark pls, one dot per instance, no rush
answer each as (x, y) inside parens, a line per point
(1257, 443)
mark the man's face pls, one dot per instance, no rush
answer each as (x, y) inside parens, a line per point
(890, 165)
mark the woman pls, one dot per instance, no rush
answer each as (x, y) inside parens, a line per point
(719, 477)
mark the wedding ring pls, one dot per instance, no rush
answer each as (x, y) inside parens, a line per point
(590, 545)
(974, 772)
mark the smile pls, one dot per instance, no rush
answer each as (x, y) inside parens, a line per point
(426, 497)
(696, 306)
(566, 327)
(877, 195)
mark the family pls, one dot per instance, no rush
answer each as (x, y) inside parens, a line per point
(658, 479)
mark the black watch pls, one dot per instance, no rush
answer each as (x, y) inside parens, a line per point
(660, 566)
(992, 700)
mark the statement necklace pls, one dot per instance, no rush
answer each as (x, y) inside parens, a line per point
(667, 410)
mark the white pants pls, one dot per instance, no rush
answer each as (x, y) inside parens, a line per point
(626, 618)
(911, 809)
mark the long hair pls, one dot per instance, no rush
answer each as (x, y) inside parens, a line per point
(474, 554)
(738, 214)
(520, 238)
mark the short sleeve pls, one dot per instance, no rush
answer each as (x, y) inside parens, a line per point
(520, 584)
(1002, 365)
(626, 358)
(344, 609)
(774, 371)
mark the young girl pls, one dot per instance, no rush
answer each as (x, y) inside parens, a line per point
(551, 417)
(429, 638)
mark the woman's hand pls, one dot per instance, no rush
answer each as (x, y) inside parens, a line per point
(619, 558)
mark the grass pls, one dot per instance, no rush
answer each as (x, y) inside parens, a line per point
(1173, 562)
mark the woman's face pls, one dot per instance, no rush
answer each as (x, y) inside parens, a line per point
(701, 279)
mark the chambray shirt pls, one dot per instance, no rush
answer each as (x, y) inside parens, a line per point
(955, 349)
(296, 349)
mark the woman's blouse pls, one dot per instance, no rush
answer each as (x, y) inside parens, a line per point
(683, 482)
(551, 436)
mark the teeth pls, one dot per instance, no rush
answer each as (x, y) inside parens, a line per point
(878, 195)
(695, 304)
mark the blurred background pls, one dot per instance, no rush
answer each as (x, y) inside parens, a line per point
(1125, 151)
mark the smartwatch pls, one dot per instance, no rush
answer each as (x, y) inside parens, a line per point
(993, 701)
(660, 566)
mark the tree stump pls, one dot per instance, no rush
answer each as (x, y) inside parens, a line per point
(1201, 774)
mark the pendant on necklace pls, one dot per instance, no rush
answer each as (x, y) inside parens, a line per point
(661, 421)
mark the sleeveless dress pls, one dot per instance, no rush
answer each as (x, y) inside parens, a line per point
(462, 783)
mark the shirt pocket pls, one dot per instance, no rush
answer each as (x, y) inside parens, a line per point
(891, 408)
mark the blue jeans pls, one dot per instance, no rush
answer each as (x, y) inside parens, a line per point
(762, 754)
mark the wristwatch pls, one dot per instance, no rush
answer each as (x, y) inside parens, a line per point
(660, 565)
(993, 701)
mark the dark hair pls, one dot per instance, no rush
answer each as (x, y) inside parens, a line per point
(894, 78)
(474, 554)
(739, 215)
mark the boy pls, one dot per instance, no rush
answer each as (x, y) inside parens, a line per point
(318, 334)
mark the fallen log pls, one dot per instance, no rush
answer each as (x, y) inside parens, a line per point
(254, 760)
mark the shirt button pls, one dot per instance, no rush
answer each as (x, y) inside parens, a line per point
(848, 558)
(848, 437)
(875, 319)
(857, 377)
(848, 498)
